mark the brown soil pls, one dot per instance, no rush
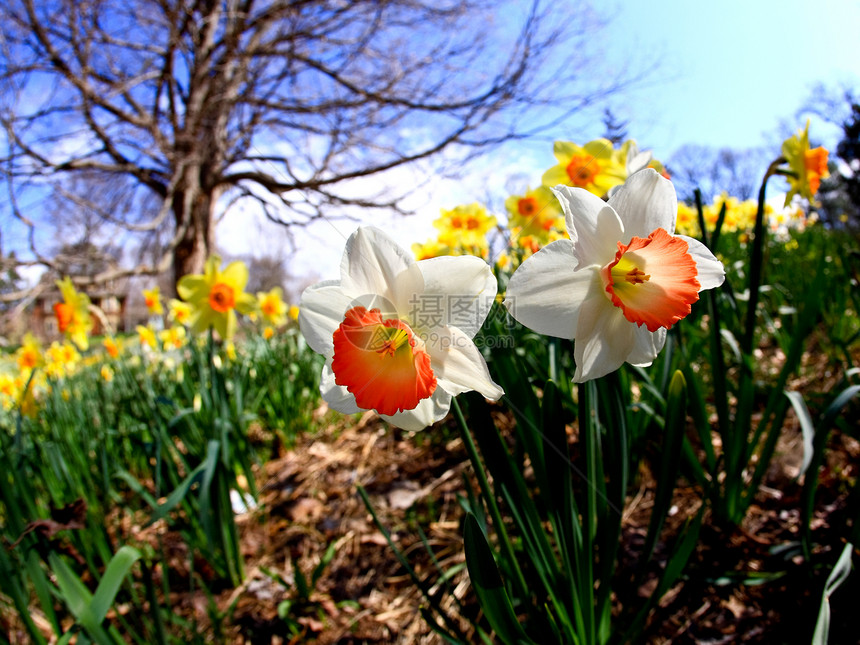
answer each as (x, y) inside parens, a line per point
(747, 585)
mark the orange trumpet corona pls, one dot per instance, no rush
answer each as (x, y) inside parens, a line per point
(380, 362)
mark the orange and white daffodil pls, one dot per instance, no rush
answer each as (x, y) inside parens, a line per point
(621, 280)
(216, 296)
(396, 333)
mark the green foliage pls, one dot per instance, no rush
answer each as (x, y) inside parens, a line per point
(164, 440)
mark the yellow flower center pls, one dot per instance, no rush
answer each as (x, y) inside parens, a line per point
(661, 297)
(582, 170)
(222, 298)
(28, 359)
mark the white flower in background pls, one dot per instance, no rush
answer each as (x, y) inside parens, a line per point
(621, 280)
(396, 333)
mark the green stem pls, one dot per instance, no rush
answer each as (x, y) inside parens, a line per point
(492, 505)
(757, 260)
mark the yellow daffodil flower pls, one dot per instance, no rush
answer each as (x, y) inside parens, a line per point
(29, 356)
(179, 312)
(809, 166)
(430, 249)
(272, 306)
(152, 298)
(595, 167)
(73, 314)
(465, 227)
(216, 296)
(146, 336)
(534, 217)
(61, 359)
(230, 350)
(173, 337)
(111, 345)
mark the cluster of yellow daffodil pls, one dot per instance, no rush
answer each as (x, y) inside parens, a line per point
(210, 300)
(535, 217)
(27, 374)
(740, 217)
(462, 231)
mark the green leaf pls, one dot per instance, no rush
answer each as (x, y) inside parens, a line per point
(807, 427)
(117, 568)
(837, 577)
(673, 441)
(489, 587)
(78, 599)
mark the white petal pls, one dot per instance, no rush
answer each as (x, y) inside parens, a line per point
(337, 396)
(710, 271)
(375, 265)
(600, 245)
(321, 311)
(428, 412)
(638, 162)
(546, 292)
(646, 202)
(458, 291)
(647, 345)
(580, 209)
(604, 341)
(458, 364)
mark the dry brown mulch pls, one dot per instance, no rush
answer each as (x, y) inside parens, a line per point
(309, 500)
(740, 586)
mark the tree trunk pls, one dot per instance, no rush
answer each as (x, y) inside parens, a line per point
(195, 209)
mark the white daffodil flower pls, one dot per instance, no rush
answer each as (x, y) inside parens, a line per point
(396, 333)
(621, 280)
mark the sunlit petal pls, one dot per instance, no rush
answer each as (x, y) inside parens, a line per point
(546, 292)
(710, 272)
(321, 311)
(647, 201)
(458, 291)
(459, 366)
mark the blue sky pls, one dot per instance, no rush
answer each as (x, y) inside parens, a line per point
(729, 72)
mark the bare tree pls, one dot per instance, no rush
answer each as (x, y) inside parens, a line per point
(197, 105)
(715, 170)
